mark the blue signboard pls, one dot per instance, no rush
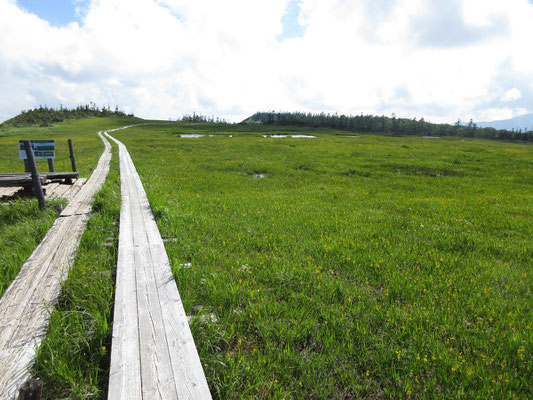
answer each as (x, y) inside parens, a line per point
(41, 149)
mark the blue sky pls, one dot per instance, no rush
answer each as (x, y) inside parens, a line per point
(440, 60)
(291, 25)
(56, 12)
(63, 12)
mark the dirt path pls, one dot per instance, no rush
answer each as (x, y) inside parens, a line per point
(26, 304)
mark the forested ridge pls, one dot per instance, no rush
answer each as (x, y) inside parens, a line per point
(389, 125)
(45, 116)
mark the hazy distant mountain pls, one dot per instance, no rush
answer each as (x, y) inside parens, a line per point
(524, 122)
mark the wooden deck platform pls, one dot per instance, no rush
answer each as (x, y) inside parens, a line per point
(153, 354)
(51, 189)
(26, 304)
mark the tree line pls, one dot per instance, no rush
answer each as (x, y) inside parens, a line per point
(44, 116)
(390, 125)
(199, 118)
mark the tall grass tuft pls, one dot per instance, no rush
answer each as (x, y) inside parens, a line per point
(22, 227)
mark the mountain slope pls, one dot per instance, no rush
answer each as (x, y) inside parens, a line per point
(524, 122)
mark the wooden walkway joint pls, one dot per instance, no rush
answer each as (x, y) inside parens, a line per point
(153, 354)
(26, 305)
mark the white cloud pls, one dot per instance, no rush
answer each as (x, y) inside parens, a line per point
(511, 95)
(498, 114)
(162, 58)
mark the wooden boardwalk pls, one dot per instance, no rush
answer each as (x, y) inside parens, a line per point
(153, 354)
(26, 304)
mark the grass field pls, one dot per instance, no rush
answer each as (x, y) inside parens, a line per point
(346, 267)
(336, 267)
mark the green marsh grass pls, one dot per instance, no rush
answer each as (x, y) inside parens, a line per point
(367, 267)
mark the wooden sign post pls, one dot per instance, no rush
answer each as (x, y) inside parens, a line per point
(72, 158)
(34, 174)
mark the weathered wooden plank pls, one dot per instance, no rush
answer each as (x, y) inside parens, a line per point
(125, 372)
(19, 179)
(8, 191)
(22, 180)
(25, 305)
(60, 175)
(169, 363)
(185, 360)
(50, 174)
(156, 352)
(50, 187)
(14, 174)
(157, 378)
(56, 190)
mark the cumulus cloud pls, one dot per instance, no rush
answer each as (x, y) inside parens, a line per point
(511, 95)
(162, 58)
(450, 24)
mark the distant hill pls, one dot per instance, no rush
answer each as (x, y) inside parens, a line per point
(386, 125)
(524, 122)
(44, 116)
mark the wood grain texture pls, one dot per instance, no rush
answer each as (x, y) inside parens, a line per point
(153, 354)
(26, 305)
